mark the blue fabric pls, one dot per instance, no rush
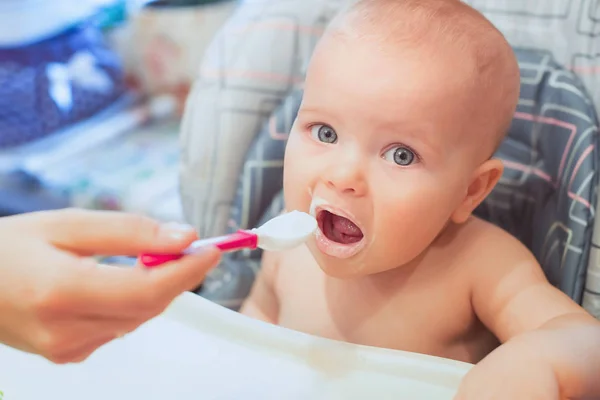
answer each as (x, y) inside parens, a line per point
(29, 108)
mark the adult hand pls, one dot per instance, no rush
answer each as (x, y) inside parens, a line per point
(58, 302)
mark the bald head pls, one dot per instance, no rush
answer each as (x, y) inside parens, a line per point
(451, 25)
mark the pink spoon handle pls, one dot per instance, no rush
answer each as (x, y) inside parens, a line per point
(236, 241)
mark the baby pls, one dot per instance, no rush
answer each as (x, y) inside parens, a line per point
(405, 102)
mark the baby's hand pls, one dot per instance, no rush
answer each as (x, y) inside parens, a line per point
(510, 372)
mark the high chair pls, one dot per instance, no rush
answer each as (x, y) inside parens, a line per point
(233, 138)
(249, 89)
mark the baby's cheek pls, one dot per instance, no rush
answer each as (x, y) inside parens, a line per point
(397, 218)
(409, 221)
(290, 193)
(300, 176)
(296, 189)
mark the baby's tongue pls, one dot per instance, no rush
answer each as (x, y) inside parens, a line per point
(345, 226)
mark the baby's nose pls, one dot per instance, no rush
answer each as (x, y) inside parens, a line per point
(348, 178)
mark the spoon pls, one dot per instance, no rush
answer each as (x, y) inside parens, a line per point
(283, 232)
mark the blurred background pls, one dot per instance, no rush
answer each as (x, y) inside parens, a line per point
(91, 97)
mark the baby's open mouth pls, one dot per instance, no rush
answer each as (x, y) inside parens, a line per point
(338, 229)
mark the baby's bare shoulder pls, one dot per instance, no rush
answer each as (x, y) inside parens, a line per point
(510, 293)
(480, 242)
(486, 254)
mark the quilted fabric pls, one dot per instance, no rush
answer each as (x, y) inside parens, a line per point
(545, 197)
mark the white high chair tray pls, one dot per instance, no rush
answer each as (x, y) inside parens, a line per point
(199, 350)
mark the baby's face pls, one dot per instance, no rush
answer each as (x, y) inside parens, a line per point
(378, 152)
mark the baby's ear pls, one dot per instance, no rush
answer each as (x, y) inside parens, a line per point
(483, 181)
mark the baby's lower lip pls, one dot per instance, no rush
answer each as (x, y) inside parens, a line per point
(334, 249)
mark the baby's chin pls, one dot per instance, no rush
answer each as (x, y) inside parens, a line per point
(340, 268)
(358, 266)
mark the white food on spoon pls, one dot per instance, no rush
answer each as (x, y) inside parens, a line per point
(285, 231)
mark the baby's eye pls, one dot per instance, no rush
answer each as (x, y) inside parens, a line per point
(324, 133)
(400, 155)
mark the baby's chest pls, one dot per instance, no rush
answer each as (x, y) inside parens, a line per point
(433, 320)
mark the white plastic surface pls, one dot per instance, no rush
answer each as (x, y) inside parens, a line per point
(198, 350)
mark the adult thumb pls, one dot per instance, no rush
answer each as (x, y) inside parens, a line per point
(185, 274)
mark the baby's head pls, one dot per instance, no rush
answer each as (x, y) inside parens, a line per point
(404, 104)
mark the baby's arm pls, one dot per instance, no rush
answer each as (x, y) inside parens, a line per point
(262, 303)
(537, 322)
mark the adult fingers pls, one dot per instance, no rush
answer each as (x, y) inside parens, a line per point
(172, 280)
(69, 337)
(82, 352)
(114, 291)
(112, 233)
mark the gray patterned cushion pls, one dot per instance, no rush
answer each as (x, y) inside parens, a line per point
(547, 195)
(544, 198)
